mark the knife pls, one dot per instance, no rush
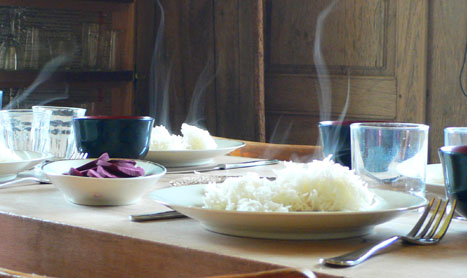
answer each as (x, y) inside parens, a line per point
(171, 214)
(226, 166)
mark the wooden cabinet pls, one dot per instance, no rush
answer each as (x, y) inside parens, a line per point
(108, 92)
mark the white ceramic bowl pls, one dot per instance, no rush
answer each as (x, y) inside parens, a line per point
(100, 191)
(9, 169)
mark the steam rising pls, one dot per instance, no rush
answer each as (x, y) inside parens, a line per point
(44, 75)
(324, 94)
(196, 114)
(159, 78)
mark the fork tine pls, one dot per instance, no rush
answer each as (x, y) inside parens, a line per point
(442, 231)
(440, 215)
(422, 218)
(430, 222)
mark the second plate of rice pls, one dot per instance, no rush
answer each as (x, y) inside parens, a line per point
(188, 158)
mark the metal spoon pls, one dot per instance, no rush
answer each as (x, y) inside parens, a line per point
(17, 181)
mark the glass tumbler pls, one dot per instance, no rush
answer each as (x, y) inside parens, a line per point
(90, 45)
(25, 129)
(391, 156)
(61, 138)
(455, 136)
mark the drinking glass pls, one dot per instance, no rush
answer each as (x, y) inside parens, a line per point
(90, 45)
(108, 49)
(61, 140)
(10, 47)
(32, 48)
(9, 54)
(391, 155)
(455, 136)
(25, 129)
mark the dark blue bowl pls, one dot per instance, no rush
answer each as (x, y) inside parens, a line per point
(335, 138)
(119, 136)
(454, 160)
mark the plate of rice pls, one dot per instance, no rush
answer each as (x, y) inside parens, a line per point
(193, 148)
(316, 200)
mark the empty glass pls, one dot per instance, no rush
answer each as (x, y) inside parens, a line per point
(32, 48)
(10, 47)
(25, 129)
(391, 155)
(61, 140)
(455, 136)
(90, 45)
(108, 50)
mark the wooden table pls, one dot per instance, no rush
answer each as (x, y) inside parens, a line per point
(41, 232)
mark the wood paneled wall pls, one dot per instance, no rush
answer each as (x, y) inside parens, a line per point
(402, 59)
(446, 105)
(214, 52)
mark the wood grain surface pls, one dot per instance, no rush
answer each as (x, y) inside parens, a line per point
(446, 105)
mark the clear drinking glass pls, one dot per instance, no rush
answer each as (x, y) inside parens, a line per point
(391, 156)
(109, 58)
(90, 45)
(25, 129)
(31, 48)
(455, 136)
(10, 47)
(61, 141)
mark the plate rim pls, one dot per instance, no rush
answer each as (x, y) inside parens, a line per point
(295, 213)
(240, 144)
(305, 225)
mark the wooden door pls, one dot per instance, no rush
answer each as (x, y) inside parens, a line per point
(374, 48)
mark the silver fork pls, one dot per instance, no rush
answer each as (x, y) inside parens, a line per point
(428, 236)
(79, 156)
(42, 179)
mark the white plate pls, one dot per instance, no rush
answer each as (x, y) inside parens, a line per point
(9, 169)
(290, 225)
(186, 158)
(435, 179)
(434, 174)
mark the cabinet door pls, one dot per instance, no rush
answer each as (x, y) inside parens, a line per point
(376, 49)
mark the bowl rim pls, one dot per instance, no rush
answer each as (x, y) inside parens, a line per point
(454, 149)
(162, 173)
(347, 123)
(391, 125)
(113, 118)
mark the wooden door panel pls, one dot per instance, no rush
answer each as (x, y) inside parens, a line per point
(371, 97)
(381, 44)
(345, 40)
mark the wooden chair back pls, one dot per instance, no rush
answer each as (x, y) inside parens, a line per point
(278, 273)
(8, 273)
(285, 152)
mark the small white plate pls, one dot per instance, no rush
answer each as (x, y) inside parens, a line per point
(435, 179)
(289, 225)
(187, 158)
(9, 169)
(434, 174)
(100, 191)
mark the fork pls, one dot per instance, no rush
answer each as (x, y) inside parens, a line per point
(78, 155)
(428, 236)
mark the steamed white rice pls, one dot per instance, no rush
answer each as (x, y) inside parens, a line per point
(315, 186)
(193, 138)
